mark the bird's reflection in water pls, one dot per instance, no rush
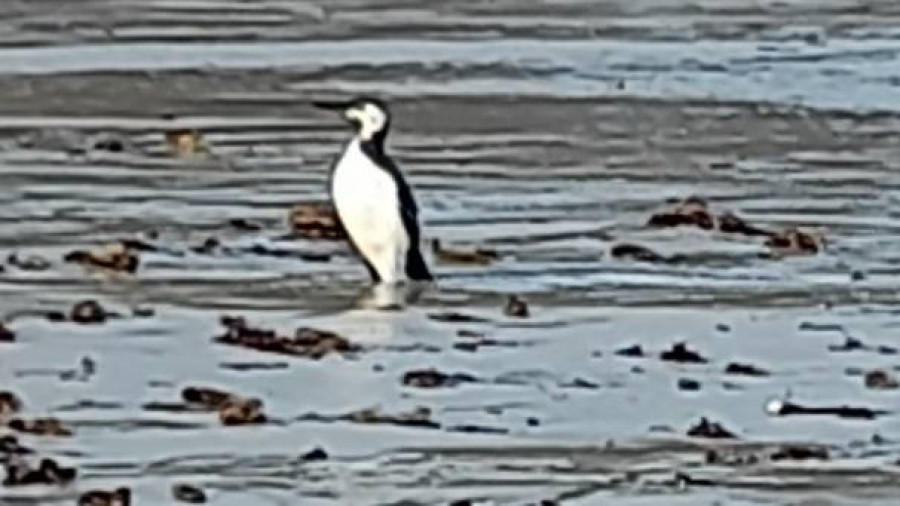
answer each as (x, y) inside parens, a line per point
(393, 296)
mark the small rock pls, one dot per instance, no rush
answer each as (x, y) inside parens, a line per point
(314, 455)
(800, 453)
(138, 244)
(532, 422)
(631, 352)
(56, 316)
(207, 398)
(733, 459)
(88, 312)
(580, 383)
(6, 335)
(143, 312)
(516, 307)
(209, 246)
(418, 417)
(244, 225)
(881, 380)
(10, 404)
(108, 143)
(86, 368)
(688, 385)
(454, 317)
(732, 224)
(849, 344)
(637, 253)
(737, 368)
(723, 327)
(186, 142)
(306, 342)
(681, 354)
(794, 242)
(476, 344)
(707, 429)
(477, 257)
(10, 446)
(188, 494)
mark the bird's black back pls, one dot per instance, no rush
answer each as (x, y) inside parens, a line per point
(416, 268)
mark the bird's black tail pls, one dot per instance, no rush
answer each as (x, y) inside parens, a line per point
(416, 268)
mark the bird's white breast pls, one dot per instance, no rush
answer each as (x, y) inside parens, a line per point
(366, 199)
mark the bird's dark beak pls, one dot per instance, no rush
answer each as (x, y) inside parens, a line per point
(332, 105)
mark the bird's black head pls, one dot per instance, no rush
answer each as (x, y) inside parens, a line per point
(369, 116)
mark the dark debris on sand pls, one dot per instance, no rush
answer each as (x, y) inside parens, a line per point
(695, 212)
(692, 211)
(244, 225)
(456, 317)
(789, 408)
(306, 342)
(118, 497)
(742, 457)
(117, 257)
(315, 221)
(419, 417)
(478, 256)
(19, 472)
(432, 378)
(794, 242)
(799, 453)
(474, 344)
(39, 427)
(638, 253)
(232, 409)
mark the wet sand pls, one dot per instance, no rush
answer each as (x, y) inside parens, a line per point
(546, 133)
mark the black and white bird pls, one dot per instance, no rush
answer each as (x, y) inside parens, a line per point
(373, 202)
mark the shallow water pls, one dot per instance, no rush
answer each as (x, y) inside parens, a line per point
(546, 132)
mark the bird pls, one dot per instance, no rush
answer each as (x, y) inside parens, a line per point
(373, 203)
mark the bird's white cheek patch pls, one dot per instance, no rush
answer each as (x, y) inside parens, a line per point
(368, 125)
